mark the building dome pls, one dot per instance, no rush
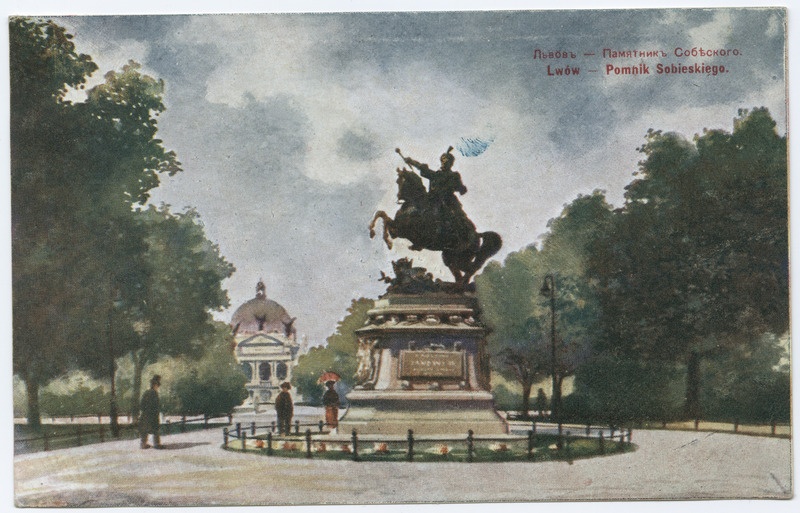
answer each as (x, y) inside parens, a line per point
(262, 315)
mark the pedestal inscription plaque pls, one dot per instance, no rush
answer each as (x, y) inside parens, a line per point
(433, 364)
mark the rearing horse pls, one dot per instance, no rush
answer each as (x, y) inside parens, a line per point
(428, 224)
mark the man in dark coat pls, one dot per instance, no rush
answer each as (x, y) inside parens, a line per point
(285, 409)
(149, 421)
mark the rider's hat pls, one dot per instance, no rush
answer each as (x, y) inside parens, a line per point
(448, 156)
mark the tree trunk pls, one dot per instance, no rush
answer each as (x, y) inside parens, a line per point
(34, 416)
(136, 391)
(526, 397)
(692, 408)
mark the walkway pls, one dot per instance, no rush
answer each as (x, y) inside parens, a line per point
(194, 471)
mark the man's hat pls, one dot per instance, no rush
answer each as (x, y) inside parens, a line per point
(286, 385)
(329, 383)
(156, 380)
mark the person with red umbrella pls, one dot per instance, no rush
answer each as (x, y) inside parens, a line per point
(330, 399)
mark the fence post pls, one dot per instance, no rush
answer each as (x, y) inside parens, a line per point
(273, 426)
(308, 443)
(736, 425)
(79, 435)
(230, 419)
(696, 424)
(602, 443)
(183, 425)
(321, 426)
(205, 421)
(46, 441)
(296, 427)
(244, 441)
(102, 433)
(530, 445)
(588, 429)
(534, 427)
(225, 437)
(410, 454)
(355, 446)
(774, 425)
(630, 434)
(99, 419)
(238, 430)
(470, 446)
(253, 428)
(169, 427)
(560, 441)
(269, 443)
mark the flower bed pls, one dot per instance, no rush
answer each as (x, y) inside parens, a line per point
(545, 448)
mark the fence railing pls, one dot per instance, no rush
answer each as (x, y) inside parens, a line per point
(83, 434)
(773, 428)
(251, 438)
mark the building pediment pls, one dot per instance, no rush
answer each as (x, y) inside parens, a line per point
(262, 340)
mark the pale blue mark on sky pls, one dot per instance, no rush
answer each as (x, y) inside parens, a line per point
(472, 147)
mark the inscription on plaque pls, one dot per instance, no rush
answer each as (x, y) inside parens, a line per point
(432, 364)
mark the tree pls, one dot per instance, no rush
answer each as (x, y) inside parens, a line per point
(521, 317)
(620, 390)
(182, 285)
(509, 301)
(43, 66)
(745, 384)
(77, 172)
(695, 263)
(214, 384)
(338, 355)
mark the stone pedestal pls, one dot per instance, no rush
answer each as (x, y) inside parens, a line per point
(423, 365)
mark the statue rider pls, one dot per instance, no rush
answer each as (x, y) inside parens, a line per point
(444, 183)
(442, 186)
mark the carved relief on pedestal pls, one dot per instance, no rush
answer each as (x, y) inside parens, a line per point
(365, 373)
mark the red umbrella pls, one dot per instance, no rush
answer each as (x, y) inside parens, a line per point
(328, 376)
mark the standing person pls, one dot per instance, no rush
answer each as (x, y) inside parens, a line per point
(330, 399)
(285, 409)
(149, 419)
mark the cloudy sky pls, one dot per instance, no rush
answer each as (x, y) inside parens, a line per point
(286, 125)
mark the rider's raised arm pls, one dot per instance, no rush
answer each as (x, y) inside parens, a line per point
(424, 170)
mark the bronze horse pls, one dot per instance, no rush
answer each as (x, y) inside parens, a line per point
(430, 224)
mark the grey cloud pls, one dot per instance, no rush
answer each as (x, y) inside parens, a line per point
(139, 28)
(357, 145)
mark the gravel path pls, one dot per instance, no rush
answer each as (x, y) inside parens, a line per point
(195, 471)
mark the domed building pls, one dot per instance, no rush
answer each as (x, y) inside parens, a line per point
(266, 346)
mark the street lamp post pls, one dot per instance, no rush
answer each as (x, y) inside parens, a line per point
(549, 290)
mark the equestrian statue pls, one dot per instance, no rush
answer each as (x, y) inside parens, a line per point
(434, 219)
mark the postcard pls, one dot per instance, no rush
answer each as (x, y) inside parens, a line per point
(393, 258)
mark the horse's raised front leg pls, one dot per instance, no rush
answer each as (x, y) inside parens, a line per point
(380, 214)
